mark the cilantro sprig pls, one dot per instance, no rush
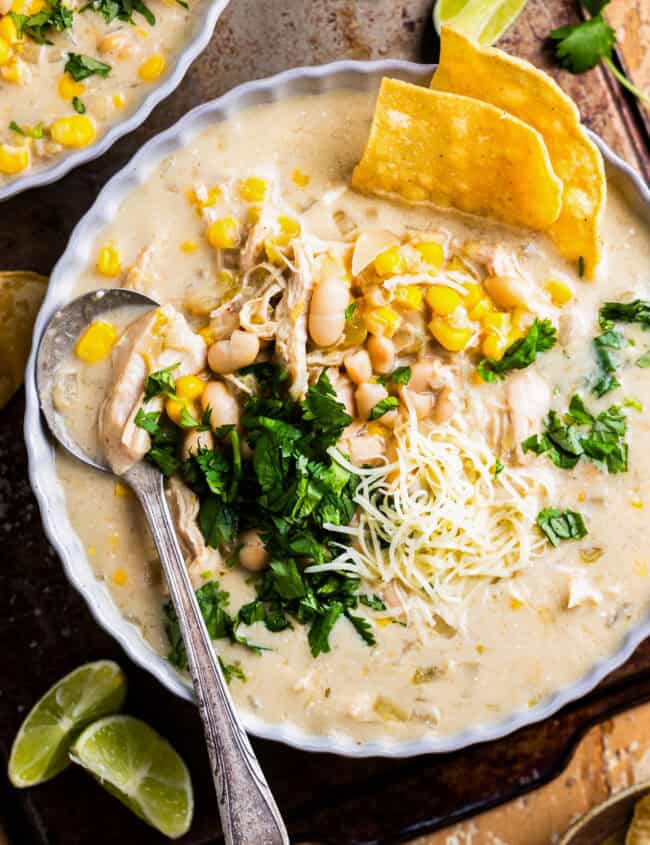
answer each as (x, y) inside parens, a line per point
(557, 525)
(121, 9)
(540, 337)
(582, 46)
(81, 67)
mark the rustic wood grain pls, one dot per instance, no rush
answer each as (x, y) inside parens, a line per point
(631, 20)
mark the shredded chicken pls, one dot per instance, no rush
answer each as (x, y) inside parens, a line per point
(184, 508)
(291, 333)
(251, 252)
(139, 276)
(160, 338)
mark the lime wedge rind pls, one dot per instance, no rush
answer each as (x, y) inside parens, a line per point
(40, 749)
(483, 20)
(139, 768)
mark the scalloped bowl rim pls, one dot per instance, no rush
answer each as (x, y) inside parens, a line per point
(204, 30)
(49, 492)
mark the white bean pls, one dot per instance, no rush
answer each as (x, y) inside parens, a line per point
(446, 405)
(382, 354)
(423, 374)
(195, 440)
(366, 449)
(252, 554)
(358, 366)
(327, 312)
(421, 403)
(224, 406)
(508, 291)
(240, 350)
(366, 397)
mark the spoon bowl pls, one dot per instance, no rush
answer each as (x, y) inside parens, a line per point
(60, 337)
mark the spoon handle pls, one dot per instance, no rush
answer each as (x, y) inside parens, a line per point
(249, 814)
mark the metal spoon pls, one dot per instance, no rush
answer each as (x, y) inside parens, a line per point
(249, 815)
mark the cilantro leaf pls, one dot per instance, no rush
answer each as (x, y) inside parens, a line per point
(603, 380)
(540, 337)
(159, 382)
(323, 409)
(389, 403)
(164, 441)
(560, 525)
(78, 105)
(363, 628)
(218, 521)
(349, 311)
(581, 46)
(81, 67)
(54, 16)
(374, 602)
(402, 375)
(321, 628)
(121, 9)
(637, 311)
(644, 360)
(232, 670)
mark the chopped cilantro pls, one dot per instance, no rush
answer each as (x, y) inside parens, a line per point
(560, 525)
(644, 360)
(81, 67)
(159, 382)
(637, 311)
(604, 379)
(631, 402)
(540, 337)
(230, 670)
(121, 9)
(164, 441)
(35, 132)
(497, 468)
(600, 439)
(389, 403)
(349, 311)
(402, 375)
(374, 602)
(78, 105)
(54, 16)
(581, 266)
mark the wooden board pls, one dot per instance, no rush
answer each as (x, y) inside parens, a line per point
(45, 626)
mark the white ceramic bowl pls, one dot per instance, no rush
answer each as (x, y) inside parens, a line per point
(203, 28)
(357, 75)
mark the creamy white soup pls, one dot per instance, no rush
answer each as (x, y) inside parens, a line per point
(69, 70)
(405, 458)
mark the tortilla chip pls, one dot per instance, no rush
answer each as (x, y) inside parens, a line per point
(522, 90)
(21, 294)
(432, 147)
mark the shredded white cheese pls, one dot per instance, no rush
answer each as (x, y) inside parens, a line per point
(439, 521)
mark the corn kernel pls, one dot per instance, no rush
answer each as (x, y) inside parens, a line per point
(68, 88)
(91, 551)
(8, 30)
(378, 430)
(482, 307)
(254, 213)
(152, 68)
(12, 71)
(299, 178)
(13, 159)
(560, 292)
(114, 541)
(96, 342)
(637, 503)
(5, 51)
(443, 300)
(494, 346)
(289, 227)
(521, 318)
(120, 577)
(390, 262)
(253, 189)
(223, 233)
(473, 295)
(204, 198)
(496, 322)
(189, 246)
(174, 409)
(432, 253)
(119, 100)
(75, 131)
(120, 491)
(452, 338)
(189, 387)
(517, 604)
(108, 261)
(582, 496)
(408, 296)
(382, 321)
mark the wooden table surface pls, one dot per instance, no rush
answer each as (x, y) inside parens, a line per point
(256, 38)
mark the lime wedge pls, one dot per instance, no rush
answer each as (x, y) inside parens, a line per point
(483, 20)
(136, 765)
(41, 747)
